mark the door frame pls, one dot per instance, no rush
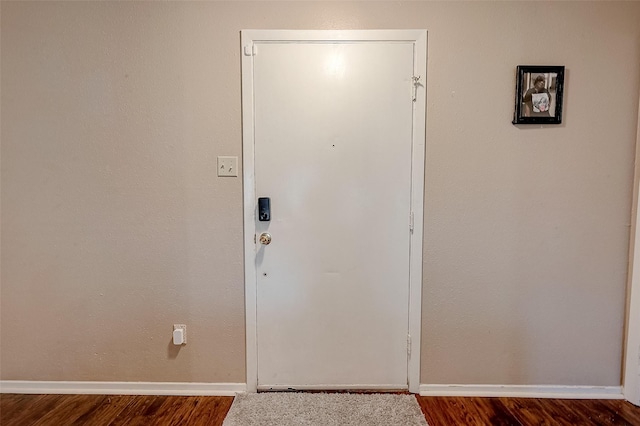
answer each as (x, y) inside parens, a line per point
(250, 40)
(631, 360)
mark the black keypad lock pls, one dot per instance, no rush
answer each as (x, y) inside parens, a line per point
(264, 209)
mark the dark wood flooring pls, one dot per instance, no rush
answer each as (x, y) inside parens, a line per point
(527, 411)
(60, 410)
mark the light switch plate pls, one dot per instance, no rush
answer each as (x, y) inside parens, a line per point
(228, 166)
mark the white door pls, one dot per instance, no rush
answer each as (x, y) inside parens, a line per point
(333, 126)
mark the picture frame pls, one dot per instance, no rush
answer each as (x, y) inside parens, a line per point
(539, 94)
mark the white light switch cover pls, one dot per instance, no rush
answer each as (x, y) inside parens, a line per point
(228, 166)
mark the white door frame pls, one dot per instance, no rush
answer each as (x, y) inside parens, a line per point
(250, 44)
(631, 378)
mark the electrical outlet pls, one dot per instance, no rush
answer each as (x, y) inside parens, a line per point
(182, 327)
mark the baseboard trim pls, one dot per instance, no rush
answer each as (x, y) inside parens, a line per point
(231, 389)
(122, 388)
(524, 391)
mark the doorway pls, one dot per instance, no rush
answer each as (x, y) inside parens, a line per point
(333, 147)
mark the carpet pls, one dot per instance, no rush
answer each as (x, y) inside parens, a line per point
(324, 409)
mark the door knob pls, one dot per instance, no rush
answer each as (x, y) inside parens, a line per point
(265, 238)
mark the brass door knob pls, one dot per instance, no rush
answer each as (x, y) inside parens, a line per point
(265, 238)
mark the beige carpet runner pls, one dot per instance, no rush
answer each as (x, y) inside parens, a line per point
(324, 409)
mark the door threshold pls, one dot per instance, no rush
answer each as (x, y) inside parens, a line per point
(335, 389)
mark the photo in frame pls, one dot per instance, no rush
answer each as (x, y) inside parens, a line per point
(539, 92)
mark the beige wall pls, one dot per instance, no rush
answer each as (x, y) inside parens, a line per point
(114, 225)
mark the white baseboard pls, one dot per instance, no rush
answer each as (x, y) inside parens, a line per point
(231, 389)
(524, 391)
(122, 388)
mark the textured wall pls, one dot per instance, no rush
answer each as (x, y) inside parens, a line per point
(114, 225)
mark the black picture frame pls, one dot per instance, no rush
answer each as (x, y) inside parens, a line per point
(539, 94)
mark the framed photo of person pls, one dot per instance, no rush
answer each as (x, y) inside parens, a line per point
(539, 90)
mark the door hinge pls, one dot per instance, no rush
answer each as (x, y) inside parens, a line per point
(250, 50)
(411, 222)
(255, 240)
(408, 346)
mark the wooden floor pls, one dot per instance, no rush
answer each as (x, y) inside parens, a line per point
(527, 411)
(63, 410)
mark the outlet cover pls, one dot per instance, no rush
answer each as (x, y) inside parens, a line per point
(228, 166)
(184, 331)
